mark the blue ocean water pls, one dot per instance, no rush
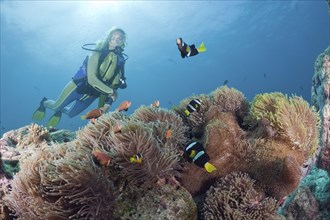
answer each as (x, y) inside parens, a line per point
(257, 46)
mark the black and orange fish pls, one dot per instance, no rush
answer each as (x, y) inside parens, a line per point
(124, 106)
(95, 113)
(101, 158)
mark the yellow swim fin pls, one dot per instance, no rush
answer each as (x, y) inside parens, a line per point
(209, 167)
(54, 120)
(39, 114)
(201, 47)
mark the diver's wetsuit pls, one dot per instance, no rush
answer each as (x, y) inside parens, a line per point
(102, 82)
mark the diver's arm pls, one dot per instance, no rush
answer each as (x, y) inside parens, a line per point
(92, 79)
(122, 80)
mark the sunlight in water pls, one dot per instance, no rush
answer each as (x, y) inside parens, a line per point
(99, 5)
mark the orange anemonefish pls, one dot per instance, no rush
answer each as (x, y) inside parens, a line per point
(156, 103)
(101, 158)
(195, 152)
(117, 128)
(136, 158)
(168, 133)
(95, 113)
(194, 105)
(124, 106)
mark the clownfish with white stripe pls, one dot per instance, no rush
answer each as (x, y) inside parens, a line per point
(136, 158)
(195, 152)
(194, 105)
(189, 50)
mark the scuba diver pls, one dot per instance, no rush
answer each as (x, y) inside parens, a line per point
(100, 75)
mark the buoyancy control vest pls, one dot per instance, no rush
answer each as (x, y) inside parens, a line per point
(80, 78)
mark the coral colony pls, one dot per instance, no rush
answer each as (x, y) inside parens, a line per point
(135, 166)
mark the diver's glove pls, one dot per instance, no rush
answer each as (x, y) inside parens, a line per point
(123, 84)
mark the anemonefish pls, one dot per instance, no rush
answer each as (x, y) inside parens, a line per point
(168, 133)
(101, 158)
(136, 158)
(124, 106)
(194, 105)
(195, 152)
(117, 128)
(189, 50)
(156, 103)
(95, 113)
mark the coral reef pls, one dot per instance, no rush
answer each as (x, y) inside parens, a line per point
(4, 188)
(21, 143)
(269, 140)
(311, 199)
(304, 206)
(17, 146)
(63, 181)
(321, 101)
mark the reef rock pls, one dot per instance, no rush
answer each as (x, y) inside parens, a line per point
(321, 101)
(303, 206)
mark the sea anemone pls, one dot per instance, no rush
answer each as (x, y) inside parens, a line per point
(99, 134)
(60, 183)
(298, 123)
(152, 114)
(196, 118)
(292, 119)
(168, 128)
(157, 160)
(230, 100)
(234, 196)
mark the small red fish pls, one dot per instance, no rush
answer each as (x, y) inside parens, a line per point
(124, 106)
(95, 113)
(168, 133)
(156, 103)
(101, 158)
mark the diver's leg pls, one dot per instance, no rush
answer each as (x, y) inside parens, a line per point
(68, 95)
(78, 106)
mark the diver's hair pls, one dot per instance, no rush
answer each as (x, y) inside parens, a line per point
(101, 45)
